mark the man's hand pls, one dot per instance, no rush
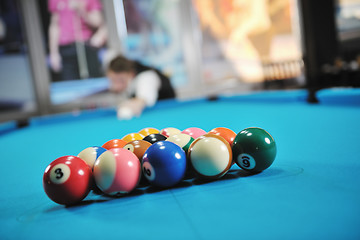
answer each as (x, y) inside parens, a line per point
(131, 108)
(55, 62)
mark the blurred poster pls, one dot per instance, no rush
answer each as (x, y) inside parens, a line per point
(241, 38)
(154, 36)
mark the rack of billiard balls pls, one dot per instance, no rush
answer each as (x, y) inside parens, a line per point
(163, 158)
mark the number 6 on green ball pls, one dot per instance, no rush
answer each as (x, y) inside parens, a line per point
(254, 149)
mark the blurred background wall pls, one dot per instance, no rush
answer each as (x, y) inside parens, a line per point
(207, 47)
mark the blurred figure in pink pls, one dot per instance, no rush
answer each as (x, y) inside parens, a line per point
(76, 32)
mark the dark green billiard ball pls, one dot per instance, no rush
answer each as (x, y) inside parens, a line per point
(254, 149)
(183, 140)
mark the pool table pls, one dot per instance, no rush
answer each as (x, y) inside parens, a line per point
(312, 190)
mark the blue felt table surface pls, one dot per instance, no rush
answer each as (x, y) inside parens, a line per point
(312, 191)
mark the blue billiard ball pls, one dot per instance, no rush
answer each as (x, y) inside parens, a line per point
(90, 154)
(164, 164)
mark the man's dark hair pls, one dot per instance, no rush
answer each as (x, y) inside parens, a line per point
(121, 64)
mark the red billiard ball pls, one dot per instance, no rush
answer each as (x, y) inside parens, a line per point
(67, 180)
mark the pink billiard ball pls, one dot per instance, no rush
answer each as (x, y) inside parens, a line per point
(67, 180)
(117, 171)
(194, 132)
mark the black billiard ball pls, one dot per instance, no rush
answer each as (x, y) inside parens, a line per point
(155, 137)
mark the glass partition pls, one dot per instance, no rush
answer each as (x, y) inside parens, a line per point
(153, 35)
(17, 96)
